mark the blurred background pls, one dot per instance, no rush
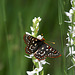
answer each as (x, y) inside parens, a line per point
(16, 18)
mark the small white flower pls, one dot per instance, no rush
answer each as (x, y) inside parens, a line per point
(73, 35)
(67, 44)
(70, 27)
(67, 34)
(73, 8)
(41, 62)
(71, 2)
(48, 74)
(35, 71)
(73, 22)
(28, 33)
(32, 29)
(44, 62)
(72, 42)
(34, 20)
(39, 19)
(74, 28)
(71, 51)
(68, 38)
(73, 61)
(73, 32)
(39, 37)
(70, 67)
(30, 56)
(71, 11)
(69, 14)
(74, 3)
(37, 24)
(32, 33)
(68, 21)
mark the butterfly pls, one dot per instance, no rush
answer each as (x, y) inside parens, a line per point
(39, 48)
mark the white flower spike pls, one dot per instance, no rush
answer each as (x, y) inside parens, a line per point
(71, 32)
(40, 63)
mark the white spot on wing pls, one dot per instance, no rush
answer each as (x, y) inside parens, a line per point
(35, 44)
(47, 46)
(33, 41)
(43, 53)
(46, 49)
(50, 49)
(42, 47)
(32, 38)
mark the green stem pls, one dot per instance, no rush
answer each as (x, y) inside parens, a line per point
(6, 33)
(35, 35)
(60, 15)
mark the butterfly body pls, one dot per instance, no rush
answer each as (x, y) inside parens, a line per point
(40, 49)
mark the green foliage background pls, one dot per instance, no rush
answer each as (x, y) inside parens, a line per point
(16, 18)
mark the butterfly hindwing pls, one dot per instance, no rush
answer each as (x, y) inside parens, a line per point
(42, 52)
(53, 53)
(46, 51)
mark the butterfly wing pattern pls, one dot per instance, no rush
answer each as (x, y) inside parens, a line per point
(32, 43)
(40, 49)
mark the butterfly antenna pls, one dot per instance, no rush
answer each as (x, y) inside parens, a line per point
(51, 42)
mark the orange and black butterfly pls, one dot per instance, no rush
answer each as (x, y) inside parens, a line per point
(39, 48)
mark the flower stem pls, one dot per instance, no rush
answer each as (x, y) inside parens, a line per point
(35, 29)
(60, 14)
